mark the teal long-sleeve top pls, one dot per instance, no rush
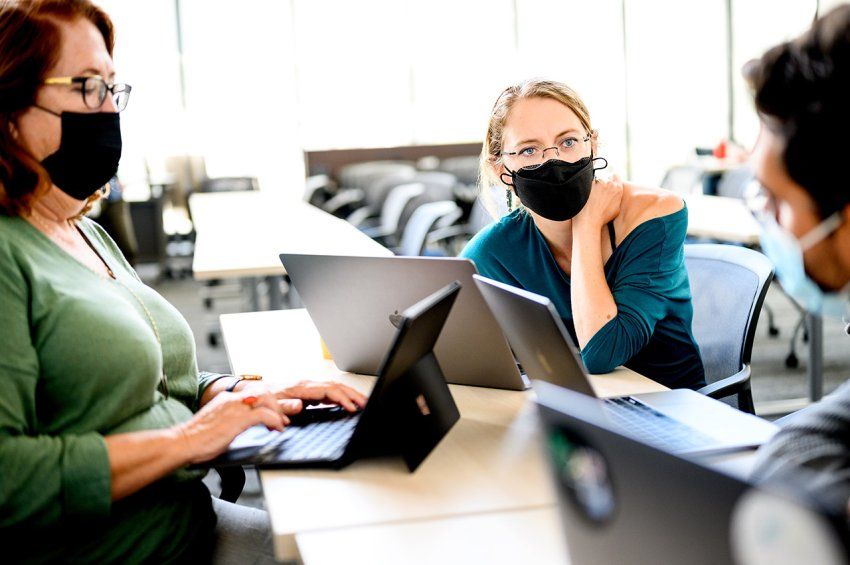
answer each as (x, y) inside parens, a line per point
(79, 361)
(651, 333)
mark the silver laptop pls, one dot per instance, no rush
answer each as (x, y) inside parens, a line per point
(355, 303)
(682, 421)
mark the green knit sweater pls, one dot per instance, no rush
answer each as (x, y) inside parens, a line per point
(79, 360)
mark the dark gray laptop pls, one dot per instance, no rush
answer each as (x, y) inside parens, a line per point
(409, 411)
(355, 302)
(680, 420)
(623, 501)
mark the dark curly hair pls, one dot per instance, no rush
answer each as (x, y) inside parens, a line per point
(29, 46)
(802, 92)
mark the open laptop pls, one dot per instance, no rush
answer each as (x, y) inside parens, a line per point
(409, 411)
(680, 420)
(623, 501)
(354, 302)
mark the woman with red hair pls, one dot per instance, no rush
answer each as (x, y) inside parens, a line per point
(102, 406)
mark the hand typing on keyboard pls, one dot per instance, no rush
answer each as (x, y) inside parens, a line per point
(292, 399)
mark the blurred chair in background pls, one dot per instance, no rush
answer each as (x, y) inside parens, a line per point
(424, 226)
(389, 227)
(115, 218)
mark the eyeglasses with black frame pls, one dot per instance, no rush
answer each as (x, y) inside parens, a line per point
(569, 149)
(93, 89)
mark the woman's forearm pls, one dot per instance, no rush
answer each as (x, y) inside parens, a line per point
(592, 302)
(137, 459)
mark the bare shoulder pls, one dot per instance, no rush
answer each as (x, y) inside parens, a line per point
(643, 203)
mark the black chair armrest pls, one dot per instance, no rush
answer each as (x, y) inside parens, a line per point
(232, 482)
(737, 383)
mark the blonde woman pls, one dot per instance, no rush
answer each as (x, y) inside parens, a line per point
(609, 254)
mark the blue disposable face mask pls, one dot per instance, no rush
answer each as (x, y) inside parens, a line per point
(786, 253)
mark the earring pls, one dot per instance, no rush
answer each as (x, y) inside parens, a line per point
(509, 198)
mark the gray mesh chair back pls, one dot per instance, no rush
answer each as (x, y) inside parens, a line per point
(728, 285)
(396, 202)
(464, 168)
(229, 184)
(439, 186)
(375, 189)
(361, 175)
(425, 219)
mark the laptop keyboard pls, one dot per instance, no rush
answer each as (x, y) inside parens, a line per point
(653, 427)
(311, 441)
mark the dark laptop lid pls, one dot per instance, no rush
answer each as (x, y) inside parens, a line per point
(411, 408)
(409, 411)
(536, 334)
(624, 501)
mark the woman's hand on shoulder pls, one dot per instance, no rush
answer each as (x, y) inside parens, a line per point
(214, 426)
(603, 206)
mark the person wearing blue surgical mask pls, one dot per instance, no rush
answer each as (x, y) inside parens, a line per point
(801, 89)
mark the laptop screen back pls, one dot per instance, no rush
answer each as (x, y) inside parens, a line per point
(623, 501)
(355, 303)
(536, 335)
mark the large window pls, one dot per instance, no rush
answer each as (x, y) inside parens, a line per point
(753, 34)
(265, 79)
(146, 57)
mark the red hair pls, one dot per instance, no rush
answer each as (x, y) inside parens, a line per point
(29, 47)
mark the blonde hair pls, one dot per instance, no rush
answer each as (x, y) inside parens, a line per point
(491, 151)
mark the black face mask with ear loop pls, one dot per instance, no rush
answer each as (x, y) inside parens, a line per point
(556, 190)
(88, 154)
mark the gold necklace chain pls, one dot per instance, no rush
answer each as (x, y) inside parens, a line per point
(164, 378)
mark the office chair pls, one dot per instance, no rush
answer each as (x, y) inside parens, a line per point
(393, 207)
(439, 186)
(728, 285)
(368, 210)
(361, 175)
(232, 482)
(464, 168)
(318, 189)
(422, 224)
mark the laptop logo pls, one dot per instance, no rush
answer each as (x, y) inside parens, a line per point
(583, 476)
(396, 319)
(423, 405)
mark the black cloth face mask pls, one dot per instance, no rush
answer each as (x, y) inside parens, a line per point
(88, 154)
(556, 190)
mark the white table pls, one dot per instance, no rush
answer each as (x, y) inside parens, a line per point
(721, 218)
(487, 476)
(241, 234)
